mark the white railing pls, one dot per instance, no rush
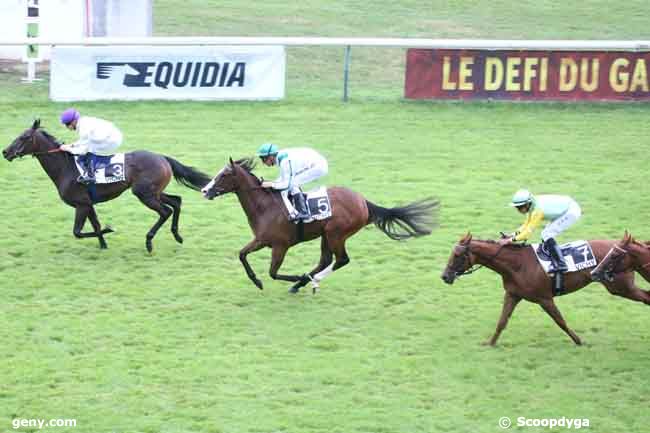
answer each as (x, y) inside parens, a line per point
(479, 44)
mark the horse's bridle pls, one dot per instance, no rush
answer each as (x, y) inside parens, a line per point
(610, 271)
(20, 154)
(473, 267)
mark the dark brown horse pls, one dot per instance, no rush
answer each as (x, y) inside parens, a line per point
(267, 218)
(626, 256)
(524, 278)
(147, 174)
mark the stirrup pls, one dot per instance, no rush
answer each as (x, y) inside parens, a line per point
(85, 179)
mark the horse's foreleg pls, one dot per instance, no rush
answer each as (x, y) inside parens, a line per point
(277, 257)
(251, 247)
(510, 301)
(624, 287)
(549, 306)
(88, 212)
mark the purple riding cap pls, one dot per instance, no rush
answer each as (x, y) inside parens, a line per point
(69, 115)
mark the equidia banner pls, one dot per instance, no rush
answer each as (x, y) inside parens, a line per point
(201, 73)
(527, 75)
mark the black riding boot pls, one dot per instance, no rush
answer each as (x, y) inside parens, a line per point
(557, 258)
(559, 265)
(89, 175)
(300, 204)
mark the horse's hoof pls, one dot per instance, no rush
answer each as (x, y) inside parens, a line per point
(108, 229)
(259, 284)
(178, 238)
(294, 289)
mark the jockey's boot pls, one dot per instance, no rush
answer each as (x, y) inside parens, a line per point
(301, 206)
(88, 176)
(559, 265)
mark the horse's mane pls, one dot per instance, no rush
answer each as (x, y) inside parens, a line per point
(247, 164)
(49, 136)
(490, 241)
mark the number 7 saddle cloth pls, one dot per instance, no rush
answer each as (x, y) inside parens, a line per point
(578, 255)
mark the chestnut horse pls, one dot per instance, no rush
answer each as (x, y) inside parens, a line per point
(524, 278)
(626, 256)
(147, 174)
(267, 217)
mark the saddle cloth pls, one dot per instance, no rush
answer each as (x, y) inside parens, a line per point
(577, 255)
(108, 169)
(318, 205)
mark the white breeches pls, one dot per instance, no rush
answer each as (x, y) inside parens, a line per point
(105, 147)
(557, 226)
(308, 174)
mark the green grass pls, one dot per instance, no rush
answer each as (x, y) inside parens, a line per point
(181, 341)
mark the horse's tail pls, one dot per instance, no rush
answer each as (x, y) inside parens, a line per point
(188, 176)
(399, 223)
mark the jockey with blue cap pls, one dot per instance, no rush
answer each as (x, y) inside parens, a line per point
(561, 210)
(298, 166)
(96, 137)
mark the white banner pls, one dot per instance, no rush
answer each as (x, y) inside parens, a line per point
(198, 73)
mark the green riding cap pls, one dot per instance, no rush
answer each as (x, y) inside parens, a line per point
(521, 198)
(267, 149)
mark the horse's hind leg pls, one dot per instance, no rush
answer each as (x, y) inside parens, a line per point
(88, 212)
(549, 306)
(150, 200)
(510, 301)
(175, 202)
(325, 261)
(337, 247)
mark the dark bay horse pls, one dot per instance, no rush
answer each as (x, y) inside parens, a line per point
(147, 174)
(524, 278)
(267, 218)
(626, 256)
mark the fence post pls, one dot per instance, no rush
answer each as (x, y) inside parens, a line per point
(346, 73)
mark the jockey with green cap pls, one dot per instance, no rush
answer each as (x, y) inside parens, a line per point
(560, 210)
(298, 166)
(96, 137)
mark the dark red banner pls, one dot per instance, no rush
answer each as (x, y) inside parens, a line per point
(527, 75)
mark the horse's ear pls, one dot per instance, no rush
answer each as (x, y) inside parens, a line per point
(36, 124)
(627, 237)
(466, 238)
(232, 163)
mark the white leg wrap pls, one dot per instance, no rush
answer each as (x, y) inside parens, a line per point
(322, 274)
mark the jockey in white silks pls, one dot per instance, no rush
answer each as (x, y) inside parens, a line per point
(298, 166)
(96, 137)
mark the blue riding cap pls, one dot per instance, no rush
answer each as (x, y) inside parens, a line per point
(69, 116)
(267, 149)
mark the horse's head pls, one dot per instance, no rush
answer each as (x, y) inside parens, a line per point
(25, 144)
(625, 256)
(229, 178)
(459, 261)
